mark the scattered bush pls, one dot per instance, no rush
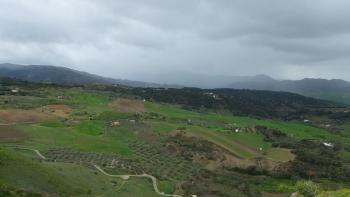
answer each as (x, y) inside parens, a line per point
(307, 188)
(3, 157)
(338, 193)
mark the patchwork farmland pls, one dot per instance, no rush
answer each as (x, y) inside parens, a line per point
(187, 151)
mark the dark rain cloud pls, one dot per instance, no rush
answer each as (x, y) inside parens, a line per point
(145, 39)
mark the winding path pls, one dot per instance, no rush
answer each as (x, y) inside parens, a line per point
(124, 177)
(37, 152)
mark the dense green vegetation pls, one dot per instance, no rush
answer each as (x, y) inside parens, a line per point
(190, 141)
(340, 97)
(265, 104)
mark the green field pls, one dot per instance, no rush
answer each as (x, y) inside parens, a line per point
(67, 179)
(140, 139)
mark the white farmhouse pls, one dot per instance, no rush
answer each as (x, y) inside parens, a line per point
(328, 144)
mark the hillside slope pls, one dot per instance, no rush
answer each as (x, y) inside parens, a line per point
(267, 104)
(334, 89)
(63, 75)
(195, 148)
(304, 86)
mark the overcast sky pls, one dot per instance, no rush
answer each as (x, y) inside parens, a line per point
(147, 39)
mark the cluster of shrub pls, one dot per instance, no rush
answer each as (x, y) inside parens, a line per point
(266, 104)
(9, 191)
(311, 189)
(313, 159)
(189, 147)
(277, 137)
(223, 182)
(25, 87)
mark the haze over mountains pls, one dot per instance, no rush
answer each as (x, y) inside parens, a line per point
(334, 89)
(63, 75)
(320, 88)
(304, 86)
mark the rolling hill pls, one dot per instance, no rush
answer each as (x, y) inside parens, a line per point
(100, 140)
(63, 75)
(334, 89)
(304, 86)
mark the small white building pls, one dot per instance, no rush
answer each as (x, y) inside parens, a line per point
(328, 144)
(115, 123)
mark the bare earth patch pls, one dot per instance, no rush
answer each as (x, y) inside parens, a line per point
(11, 116)
(280, 154)
(11, 134)
(127, 105)
(61, 111)
(223, 157)
(266, 194)
(213, 158)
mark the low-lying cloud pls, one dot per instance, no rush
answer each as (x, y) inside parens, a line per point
(146, 39)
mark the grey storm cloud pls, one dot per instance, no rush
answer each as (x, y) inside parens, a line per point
(146, 39)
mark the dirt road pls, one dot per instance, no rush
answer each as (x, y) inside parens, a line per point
(125, 177)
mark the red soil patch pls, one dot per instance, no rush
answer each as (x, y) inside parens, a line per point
(23, 116)
(10, 134)
(127, 105)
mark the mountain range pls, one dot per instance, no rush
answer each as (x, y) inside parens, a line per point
(63, 75)
(335, 89)
(304, 86)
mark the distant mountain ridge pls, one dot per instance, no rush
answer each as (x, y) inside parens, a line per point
(257, 82)
(335, 89)
(307, 86)
(63, 75)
